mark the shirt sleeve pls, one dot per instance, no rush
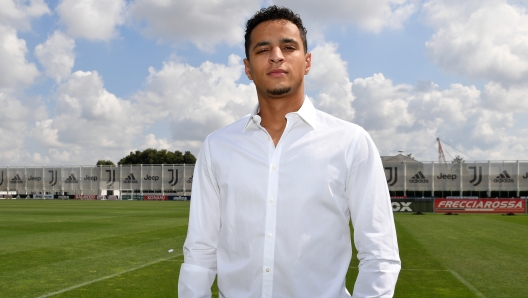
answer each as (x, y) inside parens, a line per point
(373, 222)
(198, 271)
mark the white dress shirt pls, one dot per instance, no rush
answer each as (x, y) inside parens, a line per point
(274, 221)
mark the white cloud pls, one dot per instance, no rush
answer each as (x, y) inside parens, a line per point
(410, 118)
(56, 55)
(372, 16)
(378, 101)
(16, 118)
(15, 70)
(89, 122)
(202, 22)
(491, 126)
(513, 99)
(485, 39)
(329, 78)
(480, 39)
(18, 13)
(197, 100)
(151, 141)
(92, 19)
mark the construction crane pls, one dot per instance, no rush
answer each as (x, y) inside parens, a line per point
(441, 156)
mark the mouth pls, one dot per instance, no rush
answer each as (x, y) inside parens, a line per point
(277, 73)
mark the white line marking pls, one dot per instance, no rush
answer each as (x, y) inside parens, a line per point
(107, 277)
(468, 285)
(460, 278)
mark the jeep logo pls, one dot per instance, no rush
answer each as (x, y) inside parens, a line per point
(153, 178)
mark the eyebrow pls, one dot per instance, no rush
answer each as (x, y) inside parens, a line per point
(283, 40)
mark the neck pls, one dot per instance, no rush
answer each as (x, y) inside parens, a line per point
(273, 112)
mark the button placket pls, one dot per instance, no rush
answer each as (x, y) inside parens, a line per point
(274, 154)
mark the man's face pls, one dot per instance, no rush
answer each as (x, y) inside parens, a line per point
(277, 63)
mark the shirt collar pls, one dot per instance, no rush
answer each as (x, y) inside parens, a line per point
(306, 112)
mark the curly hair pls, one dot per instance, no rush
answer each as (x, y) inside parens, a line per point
(274, 13)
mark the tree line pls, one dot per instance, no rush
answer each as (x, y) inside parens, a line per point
(153, 156)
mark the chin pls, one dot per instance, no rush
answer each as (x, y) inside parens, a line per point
(279, 91)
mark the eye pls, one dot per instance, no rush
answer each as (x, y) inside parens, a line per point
(261, 51)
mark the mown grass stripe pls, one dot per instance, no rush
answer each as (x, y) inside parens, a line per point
(107, 277)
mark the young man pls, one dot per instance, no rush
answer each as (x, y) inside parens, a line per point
(274, 192)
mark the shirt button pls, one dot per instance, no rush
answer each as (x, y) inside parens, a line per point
(267, 270)
(273, 167)
(271, 200)
(270, 235)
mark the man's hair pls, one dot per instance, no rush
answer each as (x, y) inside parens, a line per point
(274, 13)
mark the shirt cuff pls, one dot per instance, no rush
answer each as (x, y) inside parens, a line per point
(195, 281)
(377, 278)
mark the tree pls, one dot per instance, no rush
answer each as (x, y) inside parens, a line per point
(105, 163)
(458, 159)
(188, 158)
(153, 156)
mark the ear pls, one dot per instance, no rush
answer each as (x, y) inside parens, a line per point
(247, 69)
(308, 61)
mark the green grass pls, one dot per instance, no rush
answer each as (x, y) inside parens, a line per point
(55, 246)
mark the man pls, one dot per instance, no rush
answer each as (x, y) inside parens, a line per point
(274, 192)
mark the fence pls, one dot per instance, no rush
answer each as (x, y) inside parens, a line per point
(173, 179)
(481, 179)
(417, 179)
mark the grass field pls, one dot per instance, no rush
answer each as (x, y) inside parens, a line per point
(120, 249)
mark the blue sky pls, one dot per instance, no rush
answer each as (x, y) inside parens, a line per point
(95, 79)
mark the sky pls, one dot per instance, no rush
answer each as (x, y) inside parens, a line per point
(84, 80)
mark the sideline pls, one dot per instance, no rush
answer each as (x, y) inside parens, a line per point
(468, 285)
(460, 278)
(106, 277)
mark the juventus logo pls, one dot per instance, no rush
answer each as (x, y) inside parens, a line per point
(475, 175)
(390, 182)
(2, 181)
(54, 177)
(111, 177)
(174, 178)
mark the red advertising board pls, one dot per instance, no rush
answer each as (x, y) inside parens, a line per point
(156, 198)
(480, 205)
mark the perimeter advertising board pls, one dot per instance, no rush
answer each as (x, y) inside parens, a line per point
(90, 197)
(155, 198)
(179, 198)
(480, 205)
(412, 204)
(41, 197)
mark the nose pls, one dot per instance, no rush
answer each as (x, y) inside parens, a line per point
(276, 55)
